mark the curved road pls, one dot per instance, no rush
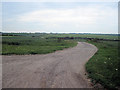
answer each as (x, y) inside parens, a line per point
(61, 69)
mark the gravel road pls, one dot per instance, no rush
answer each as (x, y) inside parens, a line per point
(61, 69)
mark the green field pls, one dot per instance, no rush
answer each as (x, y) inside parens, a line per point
(32, 45)
(101, 36)
(102, 68)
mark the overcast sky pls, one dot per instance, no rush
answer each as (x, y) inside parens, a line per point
(60, 17)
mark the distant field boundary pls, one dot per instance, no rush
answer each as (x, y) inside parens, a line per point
(97, 39)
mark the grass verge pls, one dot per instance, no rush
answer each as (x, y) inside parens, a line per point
(103, 67)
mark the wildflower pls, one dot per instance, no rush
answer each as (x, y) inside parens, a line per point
(104, 62)
(116, 69)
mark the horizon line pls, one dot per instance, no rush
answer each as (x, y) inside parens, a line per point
(62, 32)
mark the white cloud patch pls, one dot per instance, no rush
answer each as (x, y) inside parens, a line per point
(96, 18)
(78, 16)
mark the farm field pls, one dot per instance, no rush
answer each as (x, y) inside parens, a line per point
(21, 45)
(102, 68)
(36, 43)
(100, 36)
(65, 44)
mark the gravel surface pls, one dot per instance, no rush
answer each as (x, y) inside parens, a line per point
(61, 69)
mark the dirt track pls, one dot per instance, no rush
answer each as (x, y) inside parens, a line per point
(62, 69)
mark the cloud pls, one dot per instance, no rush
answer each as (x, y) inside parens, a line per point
(81, 15)
(78, 15)
(82, 18)
(60, 1)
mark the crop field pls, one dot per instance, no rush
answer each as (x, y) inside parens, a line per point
(103, 67)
